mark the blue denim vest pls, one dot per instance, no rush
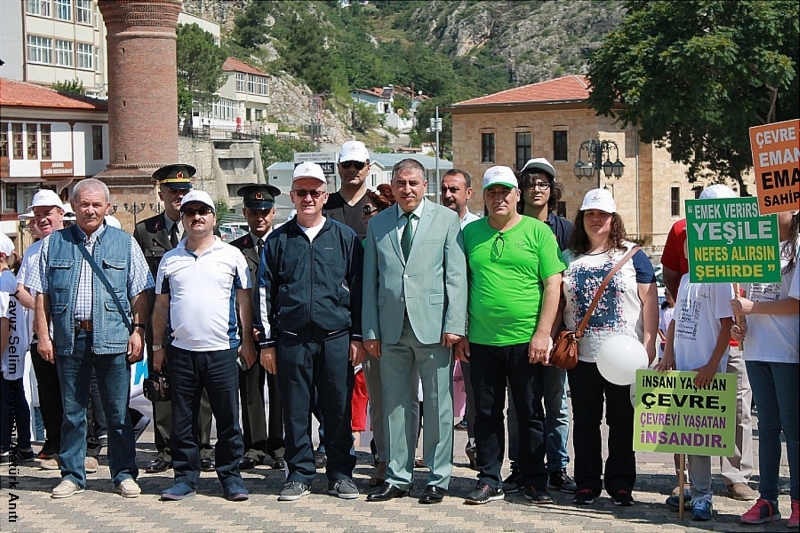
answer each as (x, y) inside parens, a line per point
(112, 252)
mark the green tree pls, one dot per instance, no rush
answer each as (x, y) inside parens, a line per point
(70, 87)
(695, 75)
(199, 68)
(365, 117)
(276, 149)
(250, 27)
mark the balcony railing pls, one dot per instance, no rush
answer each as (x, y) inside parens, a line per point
(252, 131)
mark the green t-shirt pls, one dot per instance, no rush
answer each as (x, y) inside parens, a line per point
(506, 270)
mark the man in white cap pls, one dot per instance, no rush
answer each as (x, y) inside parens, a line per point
(736, 470)
(509, 332)
(310, 300)
(347, 204)
(540, 196)
(198, 286)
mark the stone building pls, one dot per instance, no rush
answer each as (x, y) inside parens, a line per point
(551, 119)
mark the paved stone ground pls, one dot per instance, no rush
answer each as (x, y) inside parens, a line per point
(99, 509)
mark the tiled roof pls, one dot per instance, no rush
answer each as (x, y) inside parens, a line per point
(567, 88)
(21, 94)
(234, 65)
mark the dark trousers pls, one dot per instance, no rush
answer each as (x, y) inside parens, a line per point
(491, 368)
(589, 390)
(302, 366)
(15, 413)
(49, 400)
(260, 440)
(190, 373)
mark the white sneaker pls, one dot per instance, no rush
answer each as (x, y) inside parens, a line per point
(139, 428)
(65, 489)
(128, 488)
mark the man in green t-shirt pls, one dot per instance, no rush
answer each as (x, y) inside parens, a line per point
(515, 271)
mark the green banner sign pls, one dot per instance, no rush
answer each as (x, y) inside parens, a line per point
(730, 242)
(672, 416)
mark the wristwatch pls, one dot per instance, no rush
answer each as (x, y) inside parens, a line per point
(139, 325)
(157, 347)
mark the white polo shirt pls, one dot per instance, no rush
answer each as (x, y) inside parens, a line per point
(202, 293)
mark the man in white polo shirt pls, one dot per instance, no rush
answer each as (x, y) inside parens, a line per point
(197, 287)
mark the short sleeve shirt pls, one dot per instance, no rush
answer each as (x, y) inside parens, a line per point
(506, 273)
(619, 311)
(352, 215)
(673, 257)
(202, 290)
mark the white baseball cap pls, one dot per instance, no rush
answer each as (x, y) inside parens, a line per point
(500, 175)
(354, 151)
(309, 170)
(69, 213)
(46, 198)
(599, 199)
(113, 221)
(716, 192)
(6, 246)
(197, 196)
(26, 216)
(539, 163)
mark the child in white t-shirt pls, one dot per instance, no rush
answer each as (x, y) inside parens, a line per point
(697, 340)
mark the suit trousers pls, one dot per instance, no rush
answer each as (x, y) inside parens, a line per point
(435, 364)
(303, 366)
(254, 415)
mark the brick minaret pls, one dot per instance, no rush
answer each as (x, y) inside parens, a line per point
(142, 96)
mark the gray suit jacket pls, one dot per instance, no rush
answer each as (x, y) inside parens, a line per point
(431, 287)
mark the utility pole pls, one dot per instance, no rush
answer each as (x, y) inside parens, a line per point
(436, 126)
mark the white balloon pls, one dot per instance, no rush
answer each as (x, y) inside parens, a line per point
(619, 357)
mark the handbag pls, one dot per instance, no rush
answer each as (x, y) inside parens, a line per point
(564, 354)
(156, 387)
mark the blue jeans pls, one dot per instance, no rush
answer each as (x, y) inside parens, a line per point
(491, 368)
(190, 372)
(776, 393)
(556, 421)
(113, 379)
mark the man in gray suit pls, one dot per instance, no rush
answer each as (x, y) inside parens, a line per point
(414, 311)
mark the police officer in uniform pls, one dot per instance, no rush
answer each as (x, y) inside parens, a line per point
(259, 440)
(157, 235)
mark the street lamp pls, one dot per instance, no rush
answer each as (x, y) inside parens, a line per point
(436, 126)
(595, 150)
(134, 208)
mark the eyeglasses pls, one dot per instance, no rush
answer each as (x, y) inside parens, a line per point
(202, 211)
(498, 246)
(368, 210)
(302, 193)
(350, 164)
(541, 185)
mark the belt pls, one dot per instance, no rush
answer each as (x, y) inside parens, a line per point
(85, 325)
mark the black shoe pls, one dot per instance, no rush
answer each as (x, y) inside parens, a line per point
(157, 465)
(386, 492)
(320, 459)
(432, 494)
(622, 497)
(279, 463)
(483, 493)
(560, 480)
(584, 497)
(539, 497)
(207, 465)
(513, 483)
(247, 463)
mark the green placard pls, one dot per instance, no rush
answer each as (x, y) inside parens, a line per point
(730, 242)
(672, 416)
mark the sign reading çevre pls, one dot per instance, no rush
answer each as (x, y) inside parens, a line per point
(672, 416)
(776, 163)
(729, 241)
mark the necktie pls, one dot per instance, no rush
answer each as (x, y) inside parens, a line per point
(408, 235)
(173, 235)
(259, 247)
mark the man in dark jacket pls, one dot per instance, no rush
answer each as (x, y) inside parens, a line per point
(310, 299)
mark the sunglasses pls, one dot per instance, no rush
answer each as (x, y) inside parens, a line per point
(202, 211)
(350, 164)
(368, 210)
(302, 193)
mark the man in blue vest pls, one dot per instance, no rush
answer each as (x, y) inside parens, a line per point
(93, 329)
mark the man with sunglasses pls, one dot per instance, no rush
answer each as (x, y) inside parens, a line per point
(258, 208)
(156, 236)
(509, 332)
(540, 196)
(199, 285)
(310, 305)
(347, 204)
